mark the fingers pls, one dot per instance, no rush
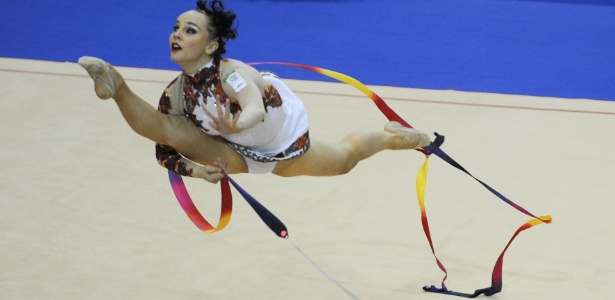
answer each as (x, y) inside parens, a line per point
(214, 120)
(213, 174)
(214, 125)
(208, 113)
(214, 178)
(224, 122)
(227, 112)
(236, 118)
(222, 165)
(211, 169)
(219, 107)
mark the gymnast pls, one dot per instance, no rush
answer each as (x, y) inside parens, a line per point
(222, 114)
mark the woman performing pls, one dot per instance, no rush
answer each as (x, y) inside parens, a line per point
(223, 110)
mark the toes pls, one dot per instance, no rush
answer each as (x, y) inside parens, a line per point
(409, 138)
(104, 85)
(92, 65)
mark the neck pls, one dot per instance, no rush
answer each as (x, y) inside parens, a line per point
(194, 68)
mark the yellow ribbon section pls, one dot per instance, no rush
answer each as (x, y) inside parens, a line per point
(349, 80)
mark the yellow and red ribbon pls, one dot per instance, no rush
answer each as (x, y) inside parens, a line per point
(421, 183)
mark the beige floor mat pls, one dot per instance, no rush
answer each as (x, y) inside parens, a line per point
(87, 213)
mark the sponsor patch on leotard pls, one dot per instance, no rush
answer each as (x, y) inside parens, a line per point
(236, 81)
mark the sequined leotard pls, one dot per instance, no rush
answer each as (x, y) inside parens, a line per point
(283, 134)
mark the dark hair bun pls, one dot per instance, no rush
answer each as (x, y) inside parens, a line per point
(220, 23)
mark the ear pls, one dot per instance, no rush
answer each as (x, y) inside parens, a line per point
(211, 47)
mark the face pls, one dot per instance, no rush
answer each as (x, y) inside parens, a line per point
(191, 47)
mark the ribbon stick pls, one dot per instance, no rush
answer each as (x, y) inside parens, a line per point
(266, 216)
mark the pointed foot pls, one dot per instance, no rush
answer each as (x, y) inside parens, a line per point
(409, 138)
(106, 78)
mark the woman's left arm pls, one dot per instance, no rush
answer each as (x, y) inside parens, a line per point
(238, 85)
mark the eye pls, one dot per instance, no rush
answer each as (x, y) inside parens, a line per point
(191, 31)
(175, 28)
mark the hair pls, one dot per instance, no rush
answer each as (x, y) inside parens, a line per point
(220, 23)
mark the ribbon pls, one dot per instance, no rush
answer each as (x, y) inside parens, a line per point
(421, 183)
(382, 106)
(185, 201)
(179, 189)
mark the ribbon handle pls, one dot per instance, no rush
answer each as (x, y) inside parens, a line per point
(266, 216)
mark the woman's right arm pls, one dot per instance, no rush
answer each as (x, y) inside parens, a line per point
(172, 160)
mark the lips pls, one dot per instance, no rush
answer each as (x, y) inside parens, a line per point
(175, 47)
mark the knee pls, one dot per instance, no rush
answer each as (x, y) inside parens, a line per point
(349, 162)
(347, 168)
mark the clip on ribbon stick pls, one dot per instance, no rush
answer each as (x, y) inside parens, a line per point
(421, 181)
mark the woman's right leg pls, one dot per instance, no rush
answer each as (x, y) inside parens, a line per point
(175, 131)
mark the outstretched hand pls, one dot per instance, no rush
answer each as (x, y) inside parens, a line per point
(224, 122)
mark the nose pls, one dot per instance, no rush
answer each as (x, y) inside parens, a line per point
(176, 35)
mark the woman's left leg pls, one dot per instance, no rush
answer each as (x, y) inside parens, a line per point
(329, 159)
